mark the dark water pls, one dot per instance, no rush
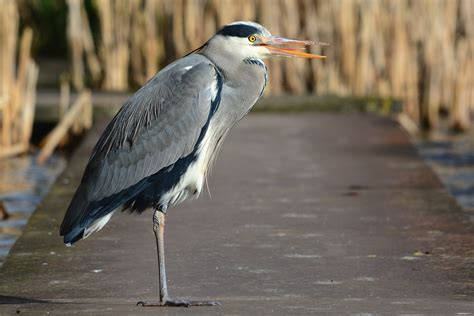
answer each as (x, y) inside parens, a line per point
(23, 184)
(452, 158)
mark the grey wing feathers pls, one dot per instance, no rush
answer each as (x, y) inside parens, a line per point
(158, 125)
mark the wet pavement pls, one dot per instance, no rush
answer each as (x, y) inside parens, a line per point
(452, 158)
(308, 214)
(23, 183)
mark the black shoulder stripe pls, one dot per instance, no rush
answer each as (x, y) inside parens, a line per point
(217, 99)
(238, 30)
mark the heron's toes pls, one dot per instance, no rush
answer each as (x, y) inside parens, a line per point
(149, 304)
(178, 303)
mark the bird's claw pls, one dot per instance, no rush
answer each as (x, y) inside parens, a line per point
(178, 303)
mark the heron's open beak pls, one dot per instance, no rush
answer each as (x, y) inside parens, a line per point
(289, 47)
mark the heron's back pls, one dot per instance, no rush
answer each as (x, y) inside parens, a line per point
(149, 142)
(157, 150)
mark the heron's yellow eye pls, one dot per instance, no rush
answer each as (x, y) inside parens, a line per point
(252, 38)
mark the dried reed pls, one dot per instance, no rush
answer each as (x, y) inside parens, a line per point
(81, 45)
(17, 86)
(82, 109)
(418, 51)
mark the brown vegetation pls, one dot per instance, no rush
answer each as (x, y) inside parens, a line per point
(418, 51)
(17, 86)
(77, 118)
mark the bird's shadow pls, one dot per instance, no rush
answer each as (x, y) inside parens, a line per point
(15, 300)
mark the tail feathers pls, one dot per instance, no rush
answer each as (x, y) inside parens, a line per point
(73, 236)
(97, 225)
(71, 227)
(80, 232)
(84, 218)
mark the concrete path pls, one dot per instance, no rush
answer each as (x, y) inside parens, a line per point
(310, 213)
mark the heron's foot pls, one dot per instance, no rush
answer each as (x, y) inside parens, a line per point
(177, 303)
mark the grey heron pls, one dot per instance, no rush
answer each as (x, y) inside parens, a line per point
(157, 150)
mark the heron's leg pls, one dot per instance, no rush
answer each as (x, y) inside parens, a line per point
(159, 230)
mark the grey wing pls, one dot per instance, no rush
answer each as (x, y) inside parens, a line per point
(159, 124)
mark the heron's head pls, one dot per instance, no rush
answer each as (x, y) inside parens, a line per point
(252, 40)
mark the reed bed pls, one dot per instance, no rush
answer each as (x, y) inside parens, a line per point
(81, 44)
(418, 51)
(18, 79)
(77, 118)
(17, 84)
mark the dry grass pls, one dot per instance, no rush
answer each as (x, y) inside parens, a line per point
(18, 78)
(77, 118)
(17, 86)
(418, 51)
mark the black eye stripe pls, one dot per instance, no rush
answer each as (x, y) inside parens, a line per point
(238, 30)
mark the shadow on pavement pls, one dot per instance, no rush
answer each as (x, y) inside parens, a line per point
(19, 300)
